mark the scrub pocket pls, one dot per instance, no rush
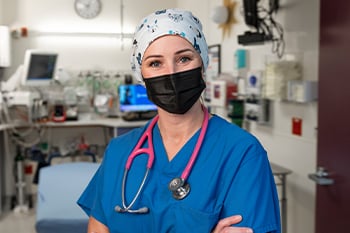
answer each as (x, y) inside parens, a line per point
(192, 220)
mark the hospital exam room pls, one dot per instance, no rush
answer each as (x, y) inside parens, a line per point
(67, 89)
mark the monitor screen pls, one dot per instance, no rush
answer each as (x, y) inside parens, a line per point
(133, 98)
(39, 67)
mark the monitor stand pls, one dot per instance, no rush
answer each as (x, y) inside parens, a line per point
(139, 116)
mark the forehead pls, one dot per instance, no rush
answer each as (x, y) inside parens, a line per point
(169, 43)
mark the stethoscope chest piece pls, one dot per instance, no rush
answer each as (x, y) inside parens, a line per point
(179, 188)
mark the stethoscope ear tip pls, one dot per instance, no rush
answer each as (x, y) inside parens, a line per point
(117, 208)
(142, 210)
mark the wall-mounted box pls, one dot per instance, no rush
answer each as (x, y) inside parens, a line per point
(241, 59)
(221, 91)
(235, 111)
(276, 78)
(302, 91)
(257, 110)
(254, 82)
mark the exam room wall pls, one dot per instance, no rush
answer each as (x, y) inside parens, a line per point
(300, 20)
(1, 14)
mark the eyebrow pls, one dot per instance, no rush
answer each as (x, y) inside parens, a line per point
(152, 56)
(184, 50)
(176, 53)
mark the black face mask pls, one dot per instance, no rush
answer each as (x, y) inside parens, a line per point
(176, 93)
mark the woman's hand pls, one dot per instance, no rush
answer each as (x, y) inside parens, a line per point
(96, 226)
(224, 225)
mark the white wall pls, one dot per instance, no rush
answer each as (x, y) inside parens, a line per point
(1, 9)
(77, 52)
(300, 20)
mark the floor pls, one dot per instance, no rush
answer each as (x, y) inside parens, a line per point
(23, 222)
(17, 218)
(18, 221)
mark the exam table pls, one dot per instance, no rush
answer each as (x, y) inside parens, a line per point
(59, 188)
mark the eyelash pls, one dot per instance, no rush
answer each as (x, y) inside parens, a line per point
(182, 59)
(187, 58)
(154, 64)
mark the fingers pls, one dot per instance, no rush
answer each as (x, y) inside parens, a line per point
(224, 225)
(230, 220)
(236, 230)
(95, 226)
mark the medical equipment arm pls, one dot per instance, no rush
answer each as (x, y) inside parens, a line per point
(96, 227)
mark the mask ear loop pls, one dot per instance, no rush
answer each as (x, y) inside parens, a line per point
(202, 97)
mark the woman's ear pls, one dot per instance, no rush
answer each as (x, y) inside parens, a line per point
(203, 73)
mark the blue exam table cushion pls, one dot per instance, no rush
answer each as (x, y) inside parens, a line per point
(58, 190)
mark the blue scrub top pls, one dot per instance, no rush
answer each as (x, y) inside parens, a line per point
(231, 176)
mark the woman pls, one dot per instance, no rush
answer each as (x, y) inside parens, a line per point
(228, 187)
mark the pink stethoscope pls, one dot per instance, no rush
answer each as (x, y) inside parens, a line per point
(178, 186)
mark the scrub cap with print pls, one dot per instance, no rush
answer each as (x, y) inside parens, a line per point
(167, 22)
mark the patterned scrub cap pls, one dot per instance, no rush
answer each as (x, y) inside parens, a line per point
(167, 22)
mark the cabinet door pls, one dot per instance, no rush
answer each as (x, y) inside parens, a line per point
(333, 150)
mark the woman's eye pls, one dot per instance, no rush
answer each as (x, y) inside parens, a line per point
(184, 59)
(154, 64)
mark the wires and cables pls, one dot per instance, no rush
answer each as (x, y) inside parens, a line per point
(271, 28)
(261, 17)
(25, 134)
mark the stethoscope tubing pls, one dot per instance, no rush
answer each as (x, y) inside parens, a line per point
(138, 148)
(188, 168)
(137, 151)
(127, 208)
(177, 192)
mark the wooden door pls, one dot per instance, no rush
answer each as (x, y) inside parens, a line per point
(333, 147)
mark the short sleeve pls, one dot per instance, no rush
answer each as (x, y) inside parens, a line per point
(253, 193)
(90, 200)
